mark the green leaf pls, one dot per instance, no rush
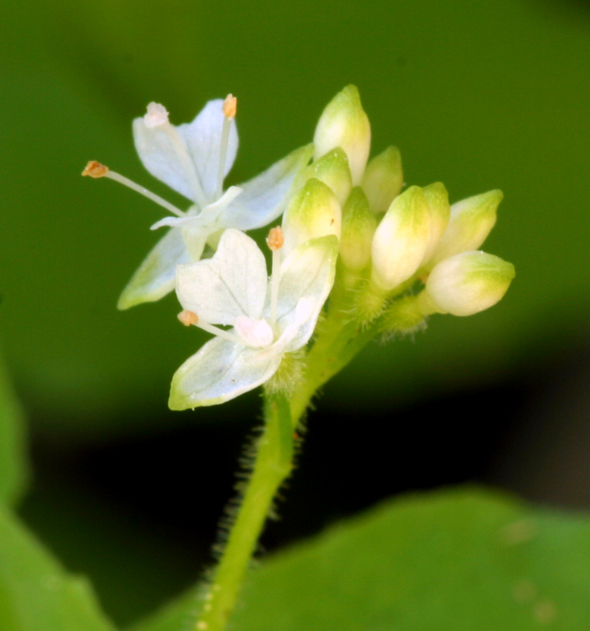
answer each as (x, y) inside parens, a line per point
(14, 468)
(35, 592)
(446, 561)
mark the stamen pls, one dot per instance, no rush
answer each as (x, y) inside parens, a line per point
(140, 189)
(95, 169)
(188, 317)
(211, 328)
(255, 333)
(230, 106)
(275, 241)
(275, 238)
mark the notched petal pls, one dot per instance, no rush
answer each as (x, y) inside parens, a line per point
(203, 140)
(218, 372)
(160, 158)
(155, 276)
(266, 196)
(231, 284)
(307, 273)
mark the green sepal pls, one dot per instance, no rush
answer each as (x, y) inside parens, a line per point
(358, 227)
(383, 179)
(345, 124)
(333, 170)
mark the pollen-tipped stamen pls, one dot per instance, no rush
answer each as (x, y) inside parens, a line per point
(190, 318)
(229, 109)
(275, 241)
(96, 170)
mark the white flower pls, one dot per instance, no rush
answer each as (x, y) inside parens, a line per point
(193, 159)
(270, 317)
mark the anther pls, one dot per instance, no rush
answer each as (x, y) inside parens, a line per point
(156, 115)
(95, 169)
(230, 106)
(188, 317)
(275, 238)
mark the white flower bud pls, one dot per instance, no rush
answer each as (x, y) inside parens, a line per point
(401, 239)
(332, 169)
(440, 212)
(466, 283)
(313, 212)
(358, 227)
(471, 221)
(383, 179)
(344, 124)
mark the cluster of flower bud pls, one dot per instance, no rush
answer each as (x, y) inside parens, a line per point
(342, 207)
(390, 239)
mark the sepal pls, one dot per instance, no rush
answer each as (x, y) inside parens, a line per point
(332, 169)
(345, 124)
(401, 239)
(358, 227)
(466, 283)
(440, 213)
(313, 212)
(471, 221)
(383, 179)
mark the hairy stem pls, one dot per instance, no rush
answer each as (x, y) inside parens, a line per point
(273, 464)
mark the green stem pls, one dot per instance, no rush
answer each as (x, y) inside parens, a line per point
(273, 464)
(338, 340)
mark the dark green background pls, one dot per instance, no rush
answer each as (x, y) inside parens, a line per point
(493, 94)
(484, 95)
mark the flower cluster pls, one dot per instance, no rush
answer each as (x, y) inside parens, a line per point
(345, 220)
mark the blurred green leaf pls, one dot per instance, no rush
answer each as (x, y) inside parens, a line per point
(14, 466)
(446, 561)
(35, 592)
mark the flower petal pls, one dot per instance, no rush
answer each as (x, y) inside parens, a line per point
(178, 222)
(203, 140)
(219, 371)
(233, 283)
(266, 196)
(159, 157)
(155, 276)
(308, 272)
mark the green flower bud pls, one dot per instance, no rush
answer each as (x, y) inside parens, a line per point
(383, 179)
(401, 239)
(440, 212)
(332, 169)
(313, 212)
(358, 227)
(344, 124)
(471, 221)
(466, 283)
